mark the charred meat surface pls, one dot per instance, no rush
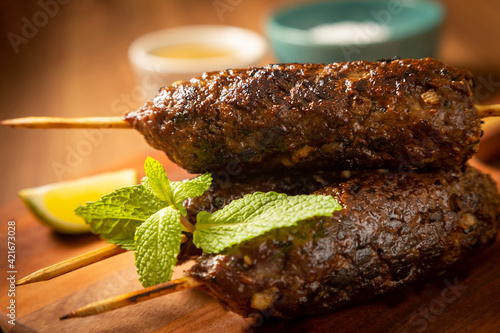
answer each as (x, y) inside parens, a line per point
(359, 115)
(394, 229)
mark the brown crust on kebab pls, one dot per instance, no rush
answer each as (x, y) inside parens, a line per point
(395, 229)
(359, 115)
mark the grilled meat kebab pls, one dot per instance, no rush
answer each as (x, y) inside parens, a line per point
(359, 115)
(395, 228)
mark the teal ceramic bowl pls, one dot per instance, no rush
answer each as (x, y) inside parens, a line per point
(355, 30)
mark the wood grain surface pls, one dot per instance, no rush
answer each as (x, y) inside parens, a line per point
(76, 64)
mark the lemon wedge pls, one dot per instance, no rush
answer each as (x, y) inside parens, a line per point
(54, 204)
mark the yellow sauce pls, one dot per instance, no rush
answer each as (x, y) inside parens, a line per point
(193, 50)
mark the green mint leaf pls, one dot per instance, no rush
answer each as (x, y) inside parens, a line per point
(116, 216)
(190, 188)
(255, 214)
(125, 243)
(157, 243)
(147, 186)
(157, 181)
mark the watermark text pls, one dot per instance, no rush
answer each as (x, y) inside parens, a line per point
(11, 271)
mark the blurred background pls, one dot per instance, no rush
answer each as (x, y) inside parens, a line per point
(74, 62)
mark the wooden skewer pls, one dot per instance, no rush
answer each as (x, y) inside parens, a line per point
(57, 122)
(72, 264)
(485, 111)
(118, 122)
(75, 263)
(134, 297)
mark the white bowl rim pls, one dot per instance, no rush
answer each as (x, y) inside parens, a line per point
(249, 47)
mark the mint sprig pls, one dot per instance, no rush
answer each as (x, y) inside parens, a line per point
(255, 214)
(146, 218)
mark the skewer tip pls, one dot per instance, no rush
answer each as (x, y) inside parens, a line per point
(21, 282)
(7, 123)
(58, 122)
(37, 276)
(72, 264)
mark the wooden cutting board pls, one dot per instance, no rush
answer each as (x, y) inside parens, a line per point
(465, 299)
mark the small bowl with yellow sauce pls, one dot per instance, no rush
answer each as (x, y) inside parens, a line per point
(162, 57)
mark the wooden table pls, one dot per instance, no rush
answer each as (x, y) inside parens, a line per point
(75, 64)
